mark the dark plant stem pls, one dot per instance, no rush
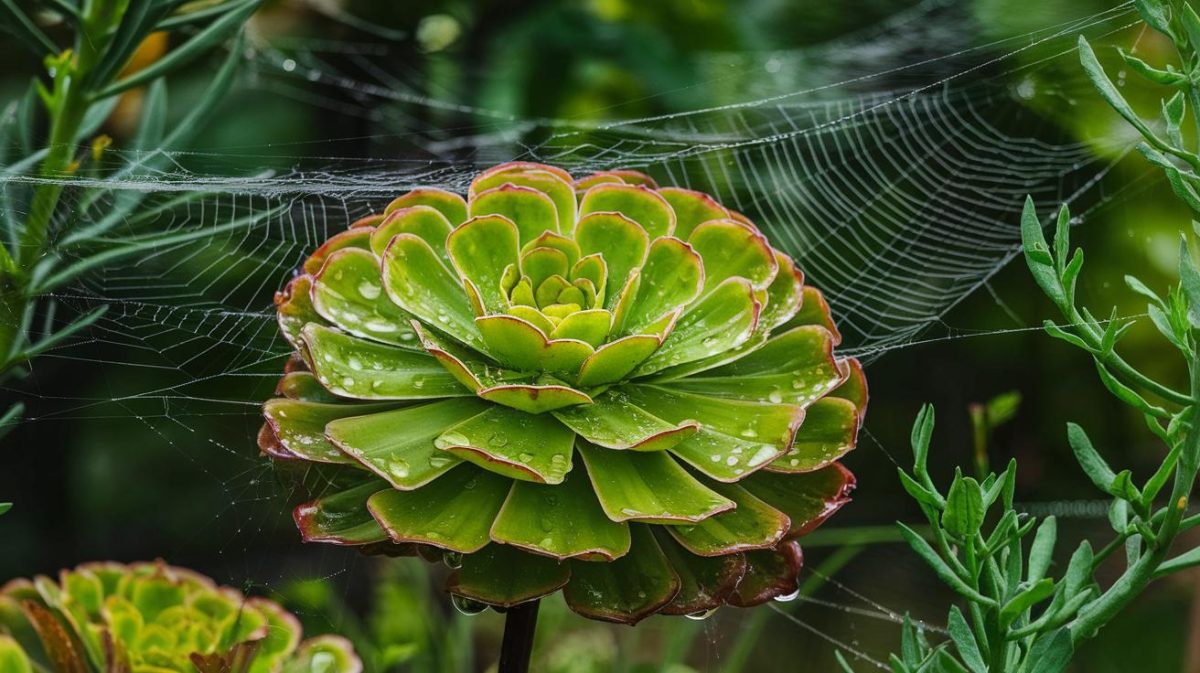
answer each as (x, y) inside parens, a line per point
(520, 622)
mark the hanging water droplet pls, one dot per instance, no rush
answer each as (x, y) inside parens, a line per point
(466, 605)
(702, 615)
(453, 560)
(788, 598)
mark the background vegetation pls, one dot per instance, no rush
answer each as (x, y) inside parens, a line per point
(100, 480)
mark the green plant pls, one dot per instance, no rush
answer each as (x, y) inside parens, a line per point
(50, 240)
(151, 617)
(455, 357)
(1019, 615)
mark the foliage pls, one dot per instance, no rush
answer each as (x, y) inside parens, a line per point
(49, 242)
(544, 320)
(153, 617)
(1019, 615)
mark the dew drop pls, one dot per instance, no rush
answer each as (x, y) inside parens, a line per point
(398, 468)
(438, 462)
(787, 598)
(500, 439)
(466, 605)
(731, 461)
(525, 457)
(369, 290)
(775, 397)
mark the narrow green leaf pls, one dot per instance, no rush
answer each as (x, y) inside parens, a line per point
(1089, 459)
(1051, 654)
(216, 31)
(1155, 13)
(1042, 550)
(1037, 254)
(24, 29)
(919, 492)
(1189, 280)
(964, 641)
(1079, 569)
(1014, 608)
(922, 432)
(935, 562)
(1188, 559)
(1108, 91)
(145, 245)
(1126, 394)
(85, 321)
(1141, 288)
(1168, 77)
(10, 418)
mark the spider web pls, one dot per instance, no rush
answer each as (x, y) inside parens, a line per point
(890, 163)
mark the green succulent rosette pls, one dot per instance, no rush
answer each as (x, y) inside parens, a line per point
(598, 386)
(154, 618)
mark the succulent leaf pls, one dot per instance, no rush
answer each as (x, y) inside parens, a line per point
(151, 617)
(454, 355)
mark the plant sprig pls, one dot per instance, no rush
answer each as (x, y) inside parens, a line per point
(45, 244)
(1019, 617)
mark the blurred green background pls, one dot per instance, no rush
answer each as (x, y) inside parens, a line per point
(345, 85)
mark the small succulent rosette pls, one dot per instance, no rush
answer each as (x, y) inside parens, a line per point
(154, 618)
(597, 385)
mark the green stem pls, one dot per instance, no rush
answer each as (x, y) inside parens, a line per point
(1135, 578)
(1117, 364)
(70, 104)
(516, 650)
